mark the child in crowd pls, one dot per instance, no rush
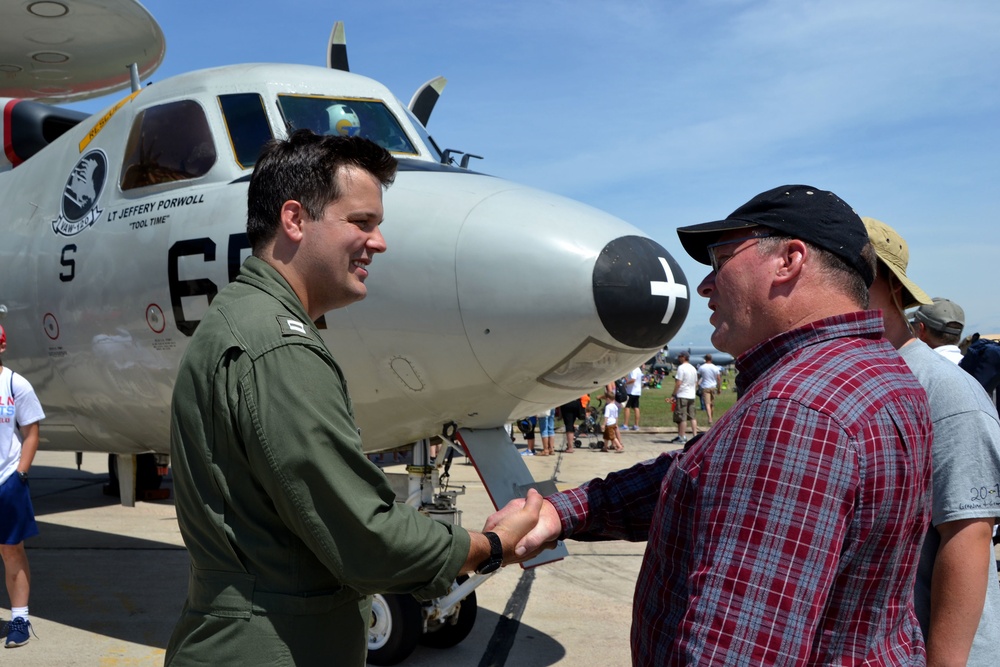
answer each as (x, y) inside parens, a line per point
(610, 426)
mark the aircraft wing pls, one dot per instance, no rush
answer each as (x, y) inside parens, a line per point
(65, 52)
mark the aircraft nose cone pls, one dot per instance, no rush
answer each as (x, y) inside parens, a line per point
(640, 292)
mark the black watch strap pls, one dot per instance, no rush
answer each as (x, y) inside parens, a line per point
(495, 560)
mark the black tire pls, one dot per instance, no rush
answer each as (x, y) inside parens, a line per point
(449, 635)
(396, 625)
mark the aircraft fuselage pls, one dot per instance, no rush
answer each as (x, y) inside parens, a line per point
(493, 299)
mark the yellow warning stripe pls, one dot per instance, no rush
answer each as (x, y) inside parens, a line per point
(99, 125)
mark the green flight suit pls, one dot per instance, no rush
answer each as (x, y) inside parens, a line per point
(289, 526)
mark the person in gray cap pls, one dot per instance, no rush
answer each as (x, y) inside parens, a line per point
(940, 324)
(789, 532)
(956, 594)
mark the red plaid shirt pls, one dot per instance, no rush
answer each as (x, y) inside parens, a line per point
(789, 533)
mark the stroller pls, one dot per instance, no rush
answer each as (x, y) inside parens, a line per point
(590, 426)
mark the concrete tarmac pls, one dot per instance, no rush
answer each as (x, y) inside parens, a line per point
(108, 581)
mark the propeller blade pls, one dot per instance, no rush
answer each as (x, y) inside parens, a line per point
(426, 97)
(336, 53)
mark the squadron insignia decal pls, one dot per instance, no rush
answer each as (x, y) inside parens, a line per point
(79, 209)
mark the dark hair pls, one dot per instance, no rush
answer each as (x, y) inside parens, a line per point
(304, 168)
(835, 268)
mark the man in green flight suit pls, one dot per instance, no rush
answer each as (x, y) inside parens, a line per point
(290, 528)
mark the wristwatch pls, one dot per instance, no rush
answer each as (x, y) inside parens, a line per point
(23, 476)
(493, 563)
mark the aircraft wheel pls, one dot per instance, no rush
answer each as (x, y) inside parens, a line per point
(395, 628)
(448, 634)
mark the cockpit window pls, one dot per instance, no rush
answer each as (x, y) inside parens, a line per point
(247, 124)
(428, 139)
(170, 142)
(347, 117)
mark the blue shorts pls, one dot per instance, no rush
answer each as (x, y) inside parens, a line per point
(547, 425)
(17, 515)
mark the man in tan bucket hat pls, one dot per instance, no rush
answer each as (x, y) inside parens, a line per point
(956, 593)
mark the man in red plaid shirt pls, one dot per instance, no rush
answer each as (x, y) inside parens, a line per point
(790, 532)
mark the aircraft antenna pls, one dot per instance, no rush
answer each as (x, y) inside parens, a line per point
(467, 157)
(133, 75)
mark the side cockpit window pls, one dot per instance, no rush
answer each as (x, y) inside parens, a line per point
(366, 118)
(247, 124)
(170, 142)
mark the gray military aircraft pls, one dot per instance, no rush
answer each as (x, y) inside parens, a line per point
(696, 354)
(120, 228)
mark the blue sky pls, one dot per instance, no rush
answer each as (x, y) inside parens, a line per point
(672, 113)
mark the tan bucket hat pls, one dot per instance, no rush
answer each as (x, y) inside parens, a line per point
(895, 254)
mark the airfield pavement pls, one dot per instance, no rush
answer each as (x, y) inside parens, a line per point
(109, 581)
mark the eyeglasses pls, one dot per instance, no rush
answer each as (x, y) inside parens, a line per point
(717, 263)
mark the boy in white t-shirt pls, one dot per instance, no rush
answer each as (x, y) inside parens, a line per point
(20, 413)
(610, 426)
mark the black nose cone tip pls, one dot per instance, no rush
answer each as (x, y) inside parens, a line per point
(641, 294)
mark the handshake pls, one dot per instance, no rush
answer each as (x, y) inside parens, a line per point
(526, 527)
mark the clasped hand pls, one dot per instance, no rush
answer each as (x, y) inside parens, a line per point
(530, 523)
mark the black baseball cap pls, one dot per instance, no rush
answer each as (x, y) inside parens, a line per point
(799, 211)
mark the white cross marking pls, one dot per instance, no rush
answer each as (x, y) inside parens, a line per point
(669, 289)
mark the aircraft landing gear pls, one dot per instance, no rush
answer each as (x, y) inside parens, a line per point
(450, 631)
(398, 624)
(395, 628)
